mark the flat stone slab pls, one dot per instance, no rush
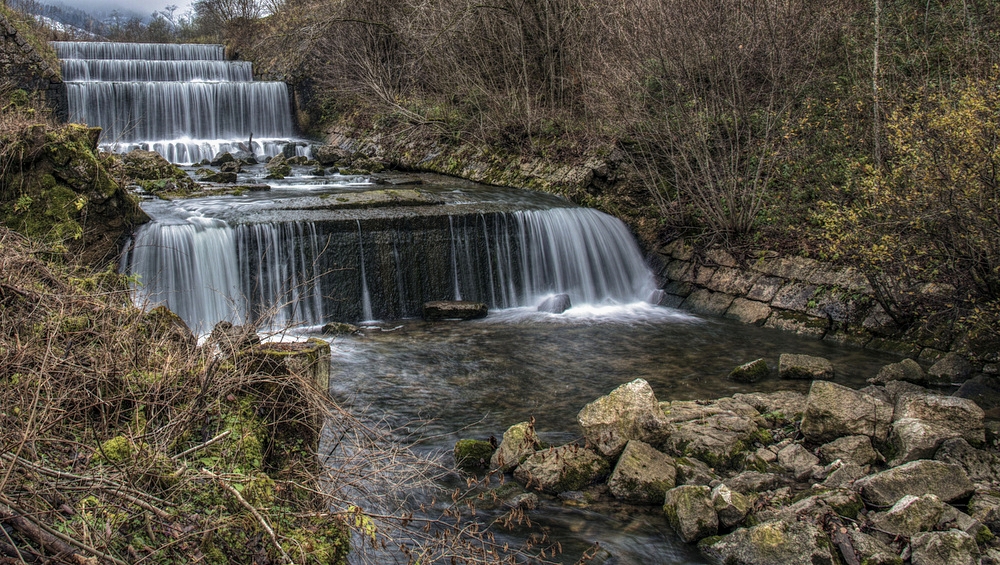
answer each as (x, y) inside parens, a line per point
(947, 482)
(454, 310)
(791, 366)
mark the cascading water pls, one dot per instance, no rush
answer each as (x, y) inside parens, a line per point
(183, 101)
(311, 272)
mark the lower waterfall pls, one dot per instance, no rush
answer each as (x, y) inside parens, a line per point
(308, 273)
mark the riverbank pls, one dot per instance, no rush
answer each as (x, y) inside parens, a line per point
(122, 440)
(889, 474)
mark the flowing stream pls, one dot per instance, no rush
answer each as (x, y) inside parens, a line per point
(316, 249)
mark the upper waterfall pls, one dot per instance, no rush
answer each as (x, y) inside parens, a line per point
(183, 101)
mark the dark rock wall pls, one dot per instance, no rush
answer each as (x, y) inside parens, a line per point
(21, 63)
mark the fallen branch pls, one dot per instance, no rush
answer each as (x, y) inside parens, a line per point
(199, 447)
(48, 538)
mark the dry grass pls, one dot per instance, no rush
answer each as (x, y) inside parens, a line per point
(122, 441)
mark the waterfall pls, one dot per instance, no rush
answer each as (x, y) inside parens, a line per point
(183, 101)
(309, 273)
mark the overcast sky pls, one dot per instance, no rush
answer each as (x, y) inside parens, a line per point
(141, 7)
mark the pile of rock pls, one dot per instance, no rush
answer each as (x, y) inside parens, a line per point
(891, 473)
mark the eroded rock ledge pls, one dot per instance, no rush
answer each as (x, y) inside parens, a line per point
(893, 473)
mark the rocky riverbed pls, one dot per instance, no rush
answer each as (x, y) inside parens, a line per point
(889, 474)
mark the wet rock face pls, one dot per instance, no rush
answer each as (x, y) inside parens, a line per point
(555, 304)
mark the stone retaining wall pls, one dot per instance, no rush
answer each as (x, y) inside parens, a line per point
(794, 294)
(423, 151)
(21, 63)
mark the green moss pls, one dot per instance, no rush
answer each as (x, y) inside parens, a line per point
(71, 324)
(259, 491)
(984, 535)
(472, 454)
(118, 449)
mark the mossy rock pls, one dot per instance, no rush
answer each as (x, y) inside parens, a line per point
(60, 182)
(750, 372)
(473, 454)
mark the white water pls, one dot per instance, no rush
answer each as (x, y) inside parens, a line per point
(299, 273)
(183, 101)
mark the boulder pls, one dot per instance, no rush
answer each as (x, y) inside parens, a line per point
(473, 454)
(984, 390)
(834, 411)
(906, 370)
(752, 481)
(720, 440)
(454, 310)
(519, 441)
(925, 421)
(220, 178)
(226, 339)
(960, 416)
(952, 368)
(979, 465)
(773, 543)
(871, 549)
(277, 167)
(556, 304)
(914, 439)
(797, 460)
(953, 547)
(842, 475)
(750, 372)
(777, 407)
(149, 170)
(954, 519)
(818, 507)
(690, 512)
(687, 410)
(222, 159)
(894, 390)
(730, 506)
(910, 516)
(792, 366)
(947, 482)
(565, 468)
(642, 475)
(628, 412)
(340, 328)
(694, 472)
(231, 167)
(985, 507)
(162, 323)
(850, 449)
(245, 157)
